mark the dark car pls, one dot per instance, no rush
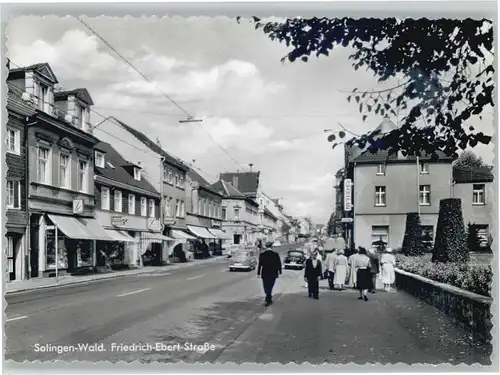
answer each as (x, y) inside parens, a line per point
(295, 259)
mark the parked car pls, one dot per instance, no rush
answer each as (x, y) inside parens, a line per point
(295, 259)
(243, 260)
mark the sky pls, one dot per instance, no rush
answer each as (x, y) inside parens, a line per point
(257, 109)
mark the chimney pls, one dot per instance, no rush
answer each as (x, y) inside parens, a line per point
(235, 181)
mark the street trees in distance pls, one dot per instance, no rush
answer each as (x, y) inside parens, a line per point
(445, 68)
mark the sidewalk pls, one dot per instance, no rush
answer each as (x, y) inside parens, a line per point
(50, 282)
(339, 329)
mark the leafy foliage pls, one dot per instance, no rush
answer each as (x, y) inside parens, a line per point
(473, 241)
(474, 278)
(412, 241)
(445, 66)
(468, 159)
(450, 244)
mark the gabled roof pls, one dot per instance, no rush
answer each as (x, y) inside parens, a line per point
(81, 94)
(119, 173)
(43, 69)
(248, 182)
(463, 175)
(383, 156)
(152, 145)
(195, 176)
(227, 190)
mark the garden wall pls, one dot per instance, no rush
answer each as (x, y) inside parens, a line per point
(470, 309)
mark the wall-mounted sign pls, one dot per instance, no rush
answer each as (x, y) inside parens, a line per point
(216, 223)
(78, 206)
(346, 220)
(118, 220)
(169, 221)
(347, 195)
(154, 223)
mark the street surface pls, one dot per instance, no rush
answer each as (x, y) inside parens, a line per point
(207, 304)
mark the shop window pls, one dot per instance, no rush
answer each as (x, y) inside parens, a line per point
(50, 250)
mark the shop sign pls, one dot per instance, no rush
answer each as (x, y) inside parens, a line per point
(169, 221)
(118, 220)
(347, 195)
(216, 223)
(78, 206)
(154, 223)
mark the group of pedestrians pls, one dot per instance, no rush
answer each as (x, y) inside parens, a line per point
(359, 271)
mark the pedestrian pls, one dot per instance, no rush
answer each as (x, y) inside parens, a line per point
(388, 262)
(352, 271)
(374, 267)
(330, 266)
(269, 269)
(312, 274)
(364, 281)
(340, 270)
(319, 256)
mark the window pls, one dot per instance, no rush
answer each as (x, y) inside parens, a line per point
(183, 212)
(210, 210)
(483, 234)
(13, 194)
(176, 179)
(137, 174)
(43, 165)
(81, 114)
(10, 253)
(380, 232)
(105, 198)
(43, 98)
(427, 235)
(131, 204)
(206, 208)
(478, 194)
(118, 201)
(168, 207)
(223, 214)
(144, 206)
(237, 214)
(64, 171)
(82, 176)
(181, 181)
(425, 195)
(165, 173)
(381, 169)
(99, 159)
(170, 176)
(380, 196)
(13, 141)
(424, 168)
(177, 208)
(151, 208)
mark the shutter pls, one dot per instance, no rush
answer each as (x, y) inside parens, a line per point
(17, 192)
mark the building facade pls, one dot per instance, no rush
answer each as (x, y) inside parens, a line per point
(239, 214)
(128, 208)
(18, 110)
(59, 152)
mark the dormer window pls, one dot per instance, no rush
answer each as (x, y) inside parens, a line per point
(137, 174)
(45, 98)
(99, 159)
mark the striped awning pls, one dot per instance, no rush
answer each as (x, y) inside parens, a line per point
(201, 232)
(219, 233)
(180, 235)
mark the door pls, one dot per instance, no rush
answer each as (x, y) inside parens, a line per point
(11, 257)
(34, 250)
(237, 239)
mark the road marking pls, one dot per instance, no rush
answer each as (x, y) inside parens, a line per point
(196, 277)
(17, 318)
(134, 292)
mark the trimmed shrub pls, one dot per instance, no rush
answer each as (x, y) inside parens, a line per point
(412, 241)
(474, 278)
(473, 241)
(450, 244)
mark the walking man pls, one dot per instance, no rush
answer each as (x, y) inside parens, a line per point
(330, 265)
(312, 274)
(269, 269)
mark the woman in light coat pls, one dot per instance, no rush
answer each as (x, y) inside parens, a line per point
(340, 270)
(353, 272)
(388, 262)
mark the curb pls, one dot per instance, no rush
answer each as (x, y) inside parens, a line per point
(112, 276)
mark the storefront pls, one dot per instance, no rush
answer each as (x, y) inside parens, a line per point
(136, 241)
(66, 244)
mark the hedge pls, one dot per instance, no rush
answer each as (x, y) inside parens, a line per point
(474, 278)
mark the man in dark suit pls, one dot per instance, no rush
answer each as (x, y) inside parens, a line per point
(312, 274)
(269, 269)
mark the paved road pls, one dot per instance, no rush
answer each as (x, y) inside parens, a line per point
(185, 304)
(207, 304)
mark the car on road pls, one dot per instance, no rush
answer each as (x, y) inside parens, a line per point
(243, 260)
(295, 259)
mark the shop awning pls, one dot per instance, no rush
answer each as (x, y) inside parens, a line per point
(120, 236)
(180, 235)
(77, 229)
(201, 232)
(95, 228)
(220, 234)
(155, 237)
